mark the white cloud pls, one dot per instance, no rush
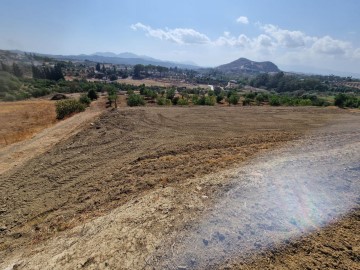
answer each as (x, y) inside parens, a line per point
(273, 43)
(243, 20)
(228, 40)
(287, 38)
(264, 41)
(177, 35)
(328, 45)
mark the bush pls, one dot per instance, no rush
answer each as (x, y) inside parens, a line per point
(162, 101)
(67, 107)
(210, 100)
(350, 101)
(170, 93)
(305, 102)
(219, 97)
(182, 102)
(274, 101)
(233, 98)
(84, 99)
(135, 100)
(175, 100)
(246, 102)
(9, 97)
(92, 94)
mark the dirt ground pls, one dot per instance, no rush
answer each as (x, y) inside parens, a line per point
(119, 193)
(21, 120)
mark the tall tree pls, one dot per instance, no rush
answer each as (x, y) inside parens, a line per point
(17, 70)
(98, 68)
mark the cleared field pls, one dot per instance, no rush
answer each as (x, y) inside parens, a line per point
(20, 120)
(148, 165)
(163, 83)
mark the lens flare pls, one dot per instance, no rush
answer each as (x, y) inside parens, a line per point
(280, 195)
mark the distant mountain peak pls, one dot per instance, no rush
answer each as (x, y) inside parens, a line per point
(246, 66)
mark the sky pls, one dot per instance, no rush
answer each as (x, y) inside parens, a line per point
(308, 35)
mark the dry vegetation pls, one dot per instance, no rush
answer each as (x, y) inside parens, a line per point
(161, 83)
(20, 120)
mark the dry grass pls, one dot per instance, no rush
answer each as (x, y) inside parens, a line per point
(161, 82)
(20, 120)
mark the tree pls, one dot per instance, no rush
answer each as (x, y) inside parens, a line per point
(97, 67)
(137, 71)
(37, 72)
(170, 93)
(56, 73)
(92, 94)
(112, 95)
(233, 98)
(5, 67)
(17, 71)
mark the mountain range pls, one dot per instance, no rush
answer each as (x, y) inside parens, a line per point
(125, 58)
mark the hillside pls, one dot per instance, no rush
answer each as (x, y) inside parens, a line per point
(246, 66)
(9, 84)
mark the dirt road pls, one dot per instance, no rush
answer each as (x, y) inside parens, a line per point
(144, 187)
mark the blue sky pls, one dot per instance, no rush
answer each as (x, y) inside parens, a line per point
(307, 35)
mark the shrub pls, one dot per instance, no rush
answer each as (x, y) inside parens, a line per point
(39, 92)
(233, 98)
(84, 99)
(251, 95)
(9, 97)
(210, 100)
(162, 101)
(350, 101)
(340, 100)
(246, 102)
(219, 97)
(170, 93)
(274, 101)
(135, 100)
(183, 102)
(261, 98)
(92, 94)
(305, 102)
(68, 106)
(175, 100)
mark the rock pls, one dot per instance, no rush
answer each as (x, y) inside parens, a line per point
(181, 267)
(3, 228)
(206, 242)
(204, 197)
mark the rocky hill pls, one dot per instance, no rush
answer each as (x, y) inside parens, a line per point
(246, 66)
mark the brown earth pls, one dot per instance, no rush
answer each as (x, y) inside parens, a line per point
(123, 187)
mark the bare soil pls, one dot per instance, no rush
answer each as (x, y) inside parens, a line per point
(124, 191)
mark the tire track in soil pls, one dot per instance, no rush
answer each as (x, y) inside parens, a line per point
(112, 163)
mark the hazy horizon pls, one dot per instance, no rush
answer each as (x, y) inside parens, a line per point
(303, 36)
